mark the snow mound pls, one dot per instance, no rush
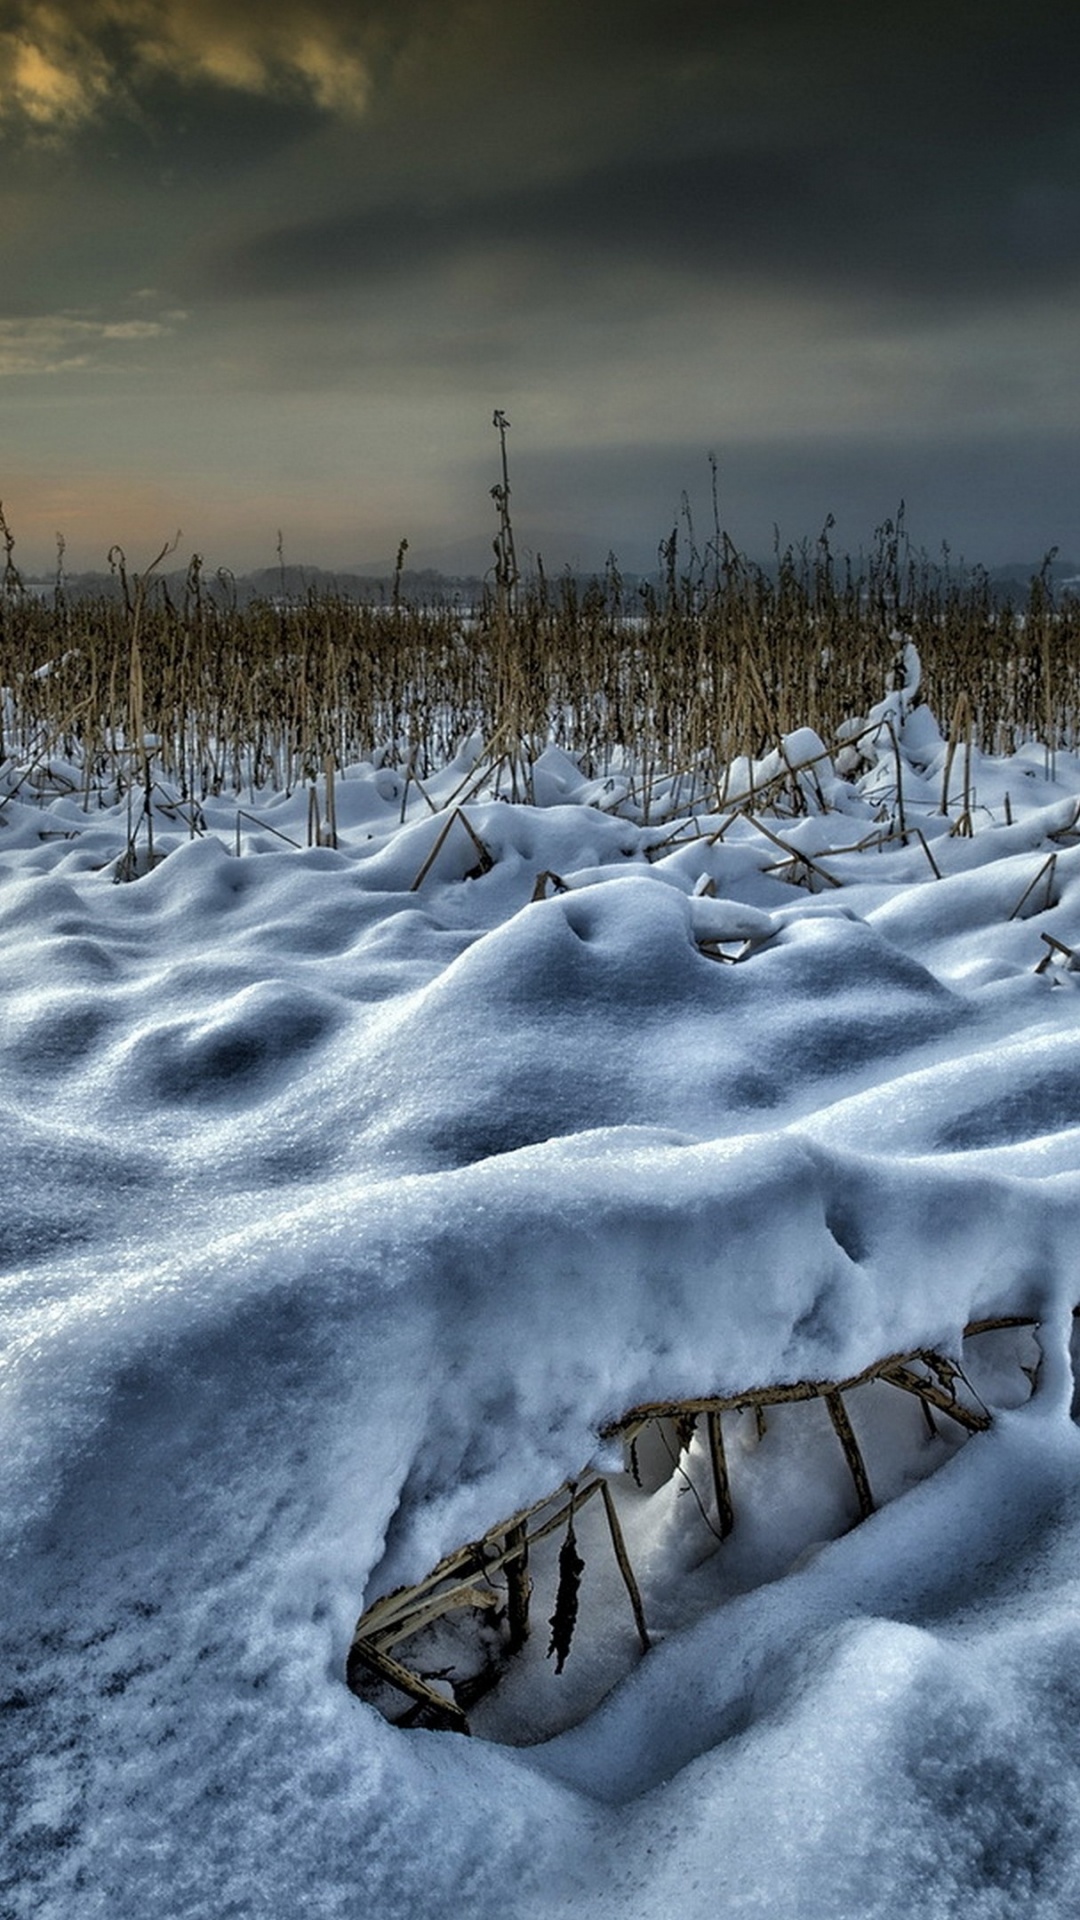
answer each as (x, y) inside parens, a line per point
(350, 1192)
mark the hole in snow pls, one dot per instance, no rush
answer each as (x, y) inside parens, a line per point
(846, 1231)
(520, 1634)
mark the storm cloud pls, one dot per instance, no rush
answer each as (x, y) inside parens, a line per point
(644, 232)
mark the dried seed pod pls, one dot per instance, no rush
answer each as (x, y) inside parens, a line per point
(564, 1618)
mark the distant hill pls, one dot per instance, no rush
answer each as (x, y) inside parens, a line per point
(474, 558)
(1018, 576)
(375, 581)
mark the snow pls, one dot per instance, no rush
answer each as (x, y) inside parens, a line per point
(349, 1192)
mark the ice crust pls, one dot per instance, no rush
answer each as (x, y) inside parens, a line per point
(338, 1216)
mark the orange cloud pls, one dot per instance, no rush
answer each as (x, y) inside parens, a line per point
(60, 67)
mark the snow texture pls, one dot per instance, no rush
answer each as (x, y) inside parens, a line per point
(338, 1216)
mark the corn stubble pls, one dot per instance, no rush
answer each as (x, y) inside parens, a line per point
(715, 659)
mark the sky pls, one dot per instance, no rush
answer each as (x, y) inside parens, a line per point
(267, 272)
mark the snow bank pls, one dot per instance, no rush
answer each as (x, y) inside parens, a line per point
(340, 1213)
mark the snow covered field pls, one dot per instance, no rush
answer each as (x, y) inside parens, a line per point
(349, 1192)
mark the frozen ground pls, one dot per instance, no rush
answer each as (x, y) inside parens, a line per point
(339, 1215)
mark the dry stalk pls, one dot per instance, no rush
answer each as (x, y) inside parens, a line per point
(486, 860)
(464, 1579)
(1047, 871)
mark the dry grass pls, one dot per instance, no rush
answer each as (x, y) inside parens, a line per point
(490, 1581)
(715, 660)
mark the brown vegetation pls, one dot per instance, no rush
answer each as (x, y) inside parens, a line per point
(715, 658)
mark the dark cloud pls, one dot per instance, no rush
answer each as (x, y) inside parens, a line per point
(807, 218)
(906, 155)
(1004, 496)
(914, 152)
(845, 240)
